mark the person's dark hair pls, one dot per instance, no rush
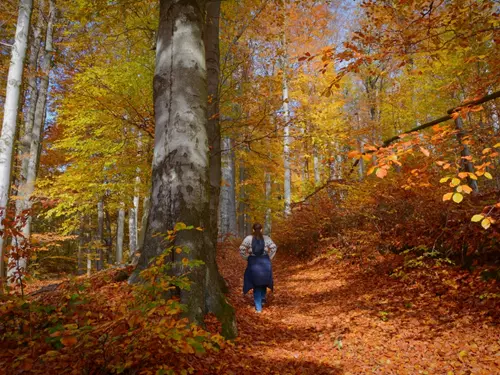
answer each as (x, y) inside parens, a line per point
(257, 231)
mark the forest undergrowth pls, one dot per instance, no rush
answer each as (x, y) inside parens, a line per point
(336, 312)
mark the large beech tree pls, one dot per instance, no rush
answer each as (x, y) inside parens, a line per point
(180, 171)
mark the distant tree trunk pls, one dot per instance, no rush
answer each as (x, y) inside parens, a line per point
(100, 235)
(144, 223)
(132, 225)
(286, 137)
(227, 192)
(180, 181)
(81, 245)
(317, 176)
(90, 252)
(242, 201)
(27, 186)
(212, 55)
(466, 164)
(108, 239)
(267, 222)
(120, 230)
(11, 105)
(133, 212)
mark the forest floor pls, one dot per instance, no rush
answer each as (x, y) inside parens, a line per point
(328, 315)
(342, 316)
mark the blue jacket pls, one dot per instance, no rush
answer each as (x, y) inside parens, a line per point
(259, 272)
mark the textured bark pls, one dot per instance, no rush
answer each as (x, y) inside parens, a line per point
(120, 231)
(212, 56)
(27, 185)
(286, 137)
(180, 182)
(227, 209)
(32, 96)
(11, 106)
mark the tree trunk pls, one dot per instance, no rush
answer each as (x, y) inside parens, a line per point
(27, 186)
(144, 223)
(227, 192)
(267, 222)
(317, 176)
(11, 105)
(119, 234)
(242, 201)
(100, 236)
(32, 96)
(212, 56)
(286, 137)
(132, 225)
(180, 181)
(466, 164)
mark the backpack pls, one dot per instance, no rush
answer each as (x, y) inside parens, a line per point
(258, 247)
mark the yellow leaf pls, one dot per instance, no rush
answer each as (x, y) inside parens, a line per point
(178, 250)
(455, 182)
(353, 154)
(199, 228)
(457, 197)
(459, 188)
(443, 180)
(488, 175)
(185, 261)
(486, 223)
(497, 145)
(370, 171)
(462, 355)
(472, 176)
(477, 218)
(447, 196)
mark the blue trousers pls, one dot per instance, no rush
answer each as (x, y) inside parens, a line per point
(259, 293)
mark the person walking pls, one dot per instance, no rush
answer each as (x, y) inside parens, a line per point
(258, 250)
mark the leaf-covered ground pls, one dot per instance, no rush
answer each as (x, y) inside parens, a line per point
(329, 315)
(333, 316)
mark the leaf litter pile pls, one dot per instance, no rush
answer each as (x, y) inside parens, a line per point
(326, 316)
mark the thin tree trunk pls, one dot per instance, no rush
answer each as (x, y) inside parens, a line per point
(242, 201)
(267, 222)
(27, 186)
(100, 235)
(132, 225)
(120, 234)
(133, 212)
(317, 176)
(9, 124)
(180, 182)
(227, 192)
(286, 136)
(144, 223)
(467, 165)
